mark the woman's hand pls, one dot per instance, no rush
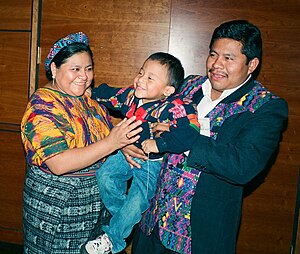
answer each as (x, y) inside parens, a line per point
(133, 151)
(125, 133)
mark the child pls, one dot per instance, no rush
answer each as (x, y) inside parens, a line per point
(150, 100)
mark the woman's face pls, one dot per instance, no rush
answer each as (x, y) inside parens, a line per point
(75, 75)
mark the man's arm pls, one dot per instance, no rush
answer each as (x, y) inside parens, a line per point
(244, 146)
(183, 129)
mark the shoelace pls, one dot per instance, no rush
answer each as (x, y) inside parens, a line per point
(148, 175)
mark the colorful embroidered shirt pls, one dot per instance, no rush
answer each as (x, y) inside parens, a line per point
(180, 116)
(54, 122)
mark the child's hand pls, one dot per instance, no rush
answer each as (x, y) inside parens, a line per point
(149, 146)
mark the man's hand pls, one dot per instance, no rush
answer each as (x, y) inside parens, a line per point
(159, 128)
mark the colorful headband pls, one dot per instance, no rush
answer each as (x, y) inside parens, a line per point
(63, 42)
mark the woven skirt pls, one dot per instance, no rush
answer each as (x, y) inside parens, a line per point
(59, 212)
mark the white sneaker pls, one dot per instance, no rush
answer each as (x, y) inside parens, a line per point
(101, 245)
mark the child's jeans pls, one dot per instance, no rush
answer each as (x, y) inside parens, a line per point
(126, 209)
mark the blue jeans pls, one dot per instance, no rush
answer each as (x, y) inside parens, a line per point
(126, 209)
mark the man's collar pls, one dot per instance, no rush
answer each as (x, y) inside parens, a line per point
(206, 88)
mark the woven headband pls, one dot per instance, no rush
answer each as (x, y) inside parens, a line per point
(63, 42)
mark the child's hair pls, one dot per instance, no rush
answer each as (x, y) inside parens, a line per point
(174, 67)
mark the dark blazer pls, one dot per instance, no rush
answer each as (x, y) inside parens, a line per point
(243, 146)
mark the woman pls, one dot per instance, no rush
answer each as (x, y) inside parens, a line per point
(66, 136)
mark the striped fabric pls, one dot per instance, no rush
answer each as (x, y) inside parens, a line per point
(59, 212)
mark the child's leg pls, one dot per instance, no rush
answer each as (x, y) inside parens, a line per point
(112, 180)
(142, 189)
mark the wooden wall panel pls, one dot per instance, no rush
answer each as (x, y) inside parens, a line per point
(12, 172)
(15, 15)
(122, 33)
(268, 211)
(15, 36)
(14, 75)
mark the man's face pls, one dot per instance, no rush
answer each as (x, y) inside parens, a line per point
(226, 66)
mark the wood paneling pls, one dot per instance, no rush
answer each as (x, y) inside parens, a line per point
(122, 33)
(12, 172)
(15, 15)
(14, 71)
(15, 25)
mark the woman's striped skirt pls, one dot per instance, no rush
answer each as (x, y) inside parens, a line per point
(59, 212)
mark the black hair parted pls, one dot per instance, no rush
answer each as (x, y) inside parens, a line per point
(243, 31)
(67, 52)
(174, 67)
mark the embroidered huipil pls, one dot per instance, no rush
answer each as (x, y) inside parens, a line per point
(55, 122)
(170, 208)
(180, 116)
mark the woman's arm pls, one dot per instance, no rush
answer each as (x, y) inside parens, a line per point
(71, 160)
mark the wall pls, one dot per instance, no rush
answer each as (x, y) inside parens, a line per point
(122, 34)
(15, 37)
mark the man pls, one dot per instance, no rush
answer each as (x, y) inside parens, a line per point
(241, 128)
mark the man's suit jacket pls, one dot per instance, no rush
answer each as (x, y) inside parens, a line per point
(245, 133)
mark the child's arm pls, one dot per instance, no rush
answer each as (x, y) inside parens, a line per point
(183, 130)
(112, 97)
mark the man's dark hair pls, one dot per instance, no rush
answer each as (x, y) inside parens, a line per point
(243, 31)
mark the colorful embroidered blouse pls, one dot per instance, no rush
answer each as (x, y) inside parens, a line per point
(54, 122)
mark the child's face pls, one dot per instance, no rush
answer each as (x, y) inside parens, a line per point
(151, 83)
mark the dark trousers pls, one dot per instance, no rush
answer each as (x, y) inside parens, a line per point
(148, 244)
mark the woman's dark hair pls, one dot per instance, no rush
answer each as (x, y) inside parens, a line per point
(244, 32)
(66, 52)
(174, 67)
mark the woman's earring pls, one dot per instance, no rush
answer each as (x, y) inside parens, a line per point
(53, 80)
